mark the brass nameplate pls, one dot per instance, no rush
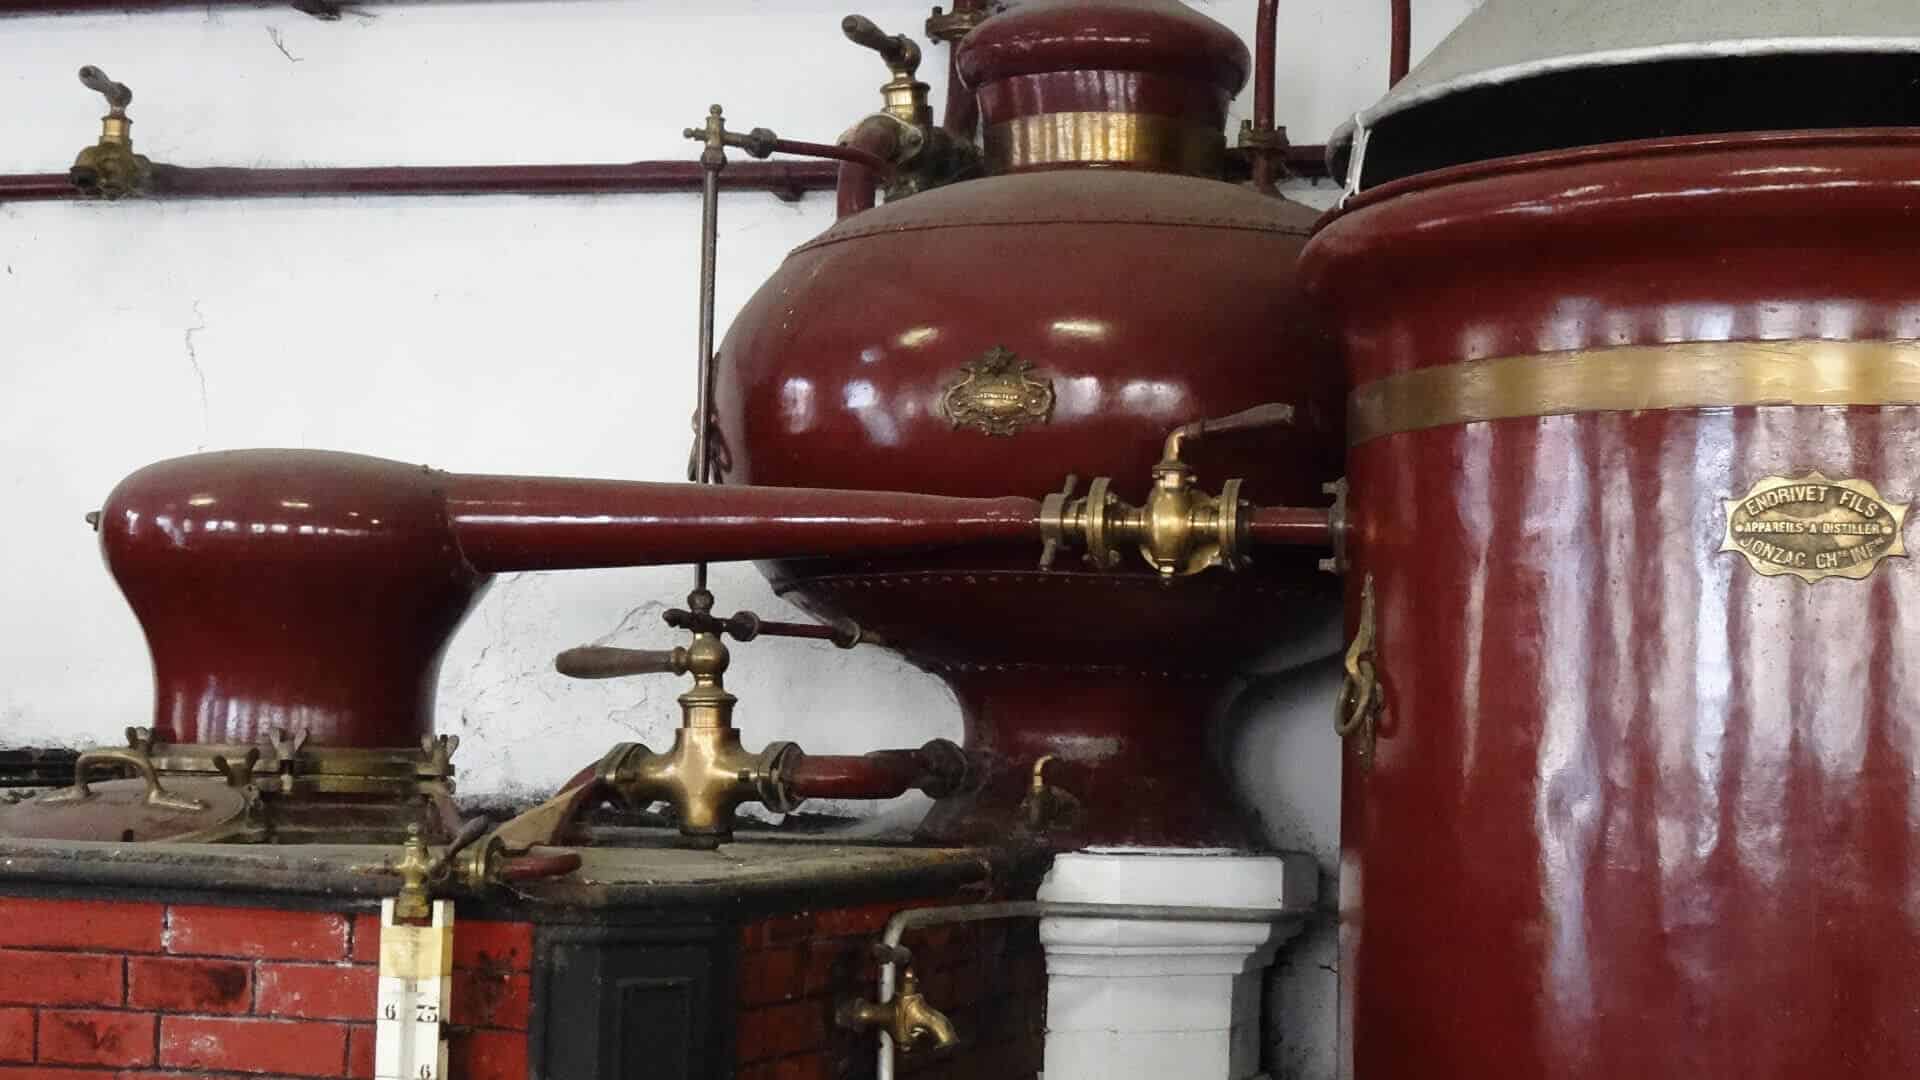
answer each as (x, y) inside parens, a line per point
(997, 394)
(1813, 527)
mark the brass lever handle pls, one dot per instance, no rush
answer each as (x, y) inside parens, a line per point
(1272, 414)
(900, 53)
(1361, 699)
(118, 95)
(156, 796)
(607, 662)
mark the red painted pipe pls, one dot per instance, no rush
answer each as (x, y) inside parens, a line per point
(504, 524)
(537, 867)
(1289, 526)
(1400, 42)
(1265, 49)
(962, 114)
(859, 185)
(783, 178)
(881, 166)
(882, 774)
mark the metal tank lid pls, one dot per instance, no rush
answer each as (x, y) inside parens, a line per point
(1509, 41)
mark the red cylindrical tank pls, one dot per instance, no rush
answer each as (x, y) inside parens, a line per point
(1058, 318)
(1634, 429)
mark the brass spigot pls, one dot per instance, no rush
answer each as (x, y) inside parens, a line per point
(908, 1017)
(415, 902)
(904, 95)
(1180, 529)
(707, 773)
(110, 169)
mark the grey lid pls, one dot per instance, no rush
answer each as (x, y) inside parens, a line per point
(1507, 41)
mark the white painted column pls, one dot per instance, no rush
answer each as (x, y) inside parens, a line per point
(1164, 998)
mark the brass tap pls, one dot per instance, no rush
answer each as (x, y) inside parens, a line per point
(1180, 529)
(110, 169)
(415, 868)
(905, 96)
(707, 773)
(908, 1017)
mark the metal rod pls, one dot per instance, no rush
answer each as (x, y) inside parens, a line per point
(1290, 526)
(712, 160)
(917, 918)
(785, 179)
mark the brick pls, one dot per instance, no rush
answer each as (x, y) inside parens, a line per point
(360, 1053)
(95, 1038)
(487, 1055)
(171, 984)
(256, 933)
(16, 1034)
(853, 921)
(81, 924)
(241, 1044)
(43, 1072)
(366, 939)
(778, 1031)
(316, 991)
(50, 978)
(772, 975)
(491, 999)
(493, 946)
(777, 931)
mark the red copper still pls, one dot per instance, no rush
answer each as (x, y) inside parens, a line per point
(1059, 317)
(316, 591)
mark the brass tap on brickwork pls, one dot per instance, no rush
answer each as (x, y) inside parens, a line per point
(1180, 529)
(707, 773)
(110, 169)
(908, 1017)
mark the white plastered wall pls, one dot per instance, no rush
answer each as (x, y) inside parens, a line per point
(504, 334)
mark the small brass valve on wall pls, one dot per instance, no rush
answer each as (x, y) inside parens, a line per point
(110, 169)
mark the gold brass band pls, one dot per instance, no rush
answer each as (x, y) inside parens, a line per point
(1715, 374)
(1139, 139)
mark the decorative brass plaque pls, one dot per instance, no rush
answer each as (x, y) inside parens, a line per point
(1813, 527)
(997, 395)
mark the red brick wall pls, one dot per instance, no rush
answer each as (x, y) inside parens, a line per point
(98, 990)
(989, 978)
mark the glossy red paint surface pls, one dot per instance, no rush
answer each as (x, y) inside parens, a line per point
(290, 590)
(1162, 36)
(1144, 301)
(1634, 810)
(306, 590)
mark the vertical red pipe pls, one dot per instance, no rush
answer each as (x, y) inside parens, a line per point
(962, 114)
(1400, 45)
(879, 137)
(1265, 44)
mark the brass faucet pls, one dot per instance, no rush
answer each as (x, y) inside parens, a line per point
(908, 1017)
(707, 773)
(1180, 529)
(110, 169)
(926, 155)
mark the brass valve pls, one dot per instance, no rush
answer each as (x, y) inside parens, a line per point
(908, 1017)
(707, 773)
(1180, 529)
(110, 169)
(904, 94)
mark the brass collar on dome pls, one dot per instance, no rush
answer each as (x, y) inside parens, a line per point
(1136, 140)
(1689, 375)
